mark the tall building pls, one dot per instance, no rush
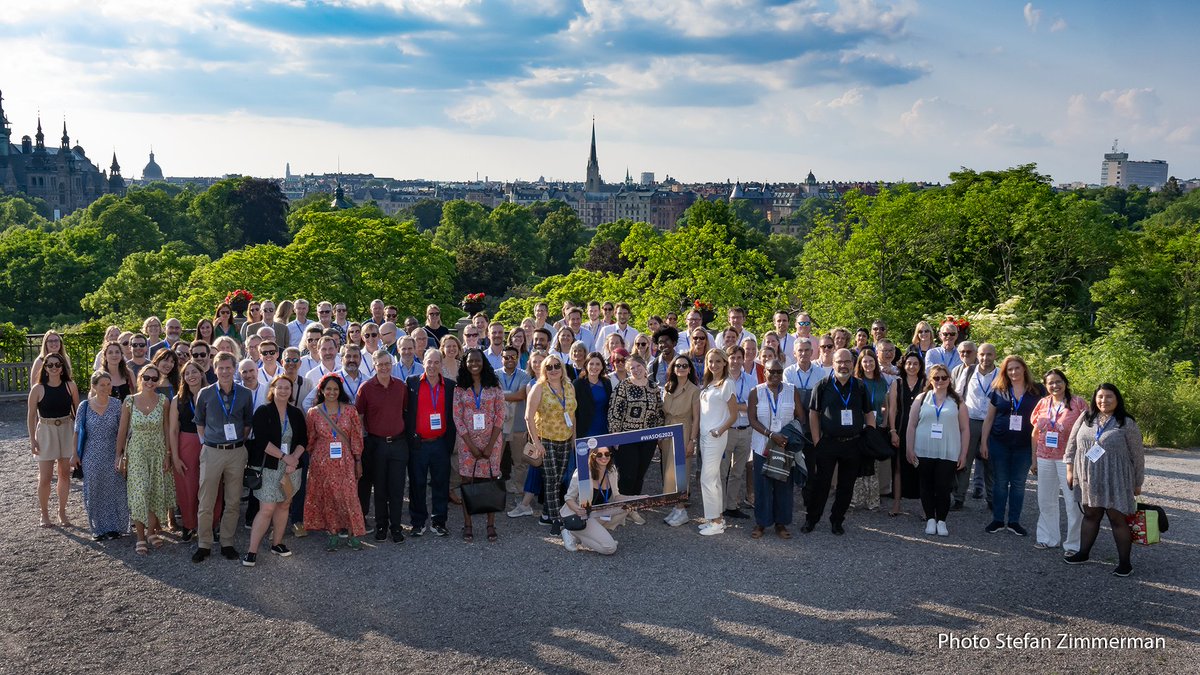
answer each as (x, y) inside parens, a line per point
(593, 183)
(64, 177)
(1118, 171)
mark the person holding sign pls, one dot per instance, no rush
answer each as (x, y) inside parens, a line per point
(600, 522)
(1052, 420)
(280, 439)
(336, 445)
(1009, 445)
(550, 416)
(938, 433)
(1105, 456)
(479, 418)
(223, 412)
(839, 411)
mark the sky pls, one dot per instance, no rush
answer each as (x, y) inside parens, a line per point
(701, 90)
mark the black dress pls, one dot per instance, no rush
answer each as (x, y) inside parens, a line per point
(909, 488)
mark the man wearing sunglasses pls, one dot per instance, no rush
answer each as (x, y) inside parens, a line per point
(201, 353)
(137, 344)
(280, 335)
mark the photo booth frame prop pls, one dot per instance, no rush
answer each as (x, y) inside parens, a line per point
(674, 464)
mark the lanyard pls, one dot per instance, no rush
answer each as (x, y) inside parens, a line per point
(741, 396)
(773, 401)
(845, 397)
(947, 357)
(332, 427)
(478, 397)
(1103, 428)
(979, 382)
(561, 399)
(233, 399)
(1054, 413)
(285, 424)
(434, 393)
(806, 382)
(870, 392)
(938, 408)
(508, 382)
(353, 390)
(403, 373)
(1016, 402)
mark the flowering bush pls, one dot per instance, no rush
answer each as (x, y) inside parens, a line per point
(703, 306)
(239, 295)
(473, 297)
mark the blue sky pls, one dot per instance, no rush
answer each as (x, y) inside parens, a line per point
(695, 89)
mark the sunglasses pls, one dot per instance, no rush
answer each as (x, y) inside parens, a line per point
(471, 335)
(370, 335)
(53, 364)
(826, 346)
(554, 366)
(149, 378)
(775, 371)
(682, 366)
(602, 455)
(324, 311)
(803, 323)
(199, 355)
(641, 344)
(618, 360)
(268, 352)
(125, 344)
(292, 360)
(139, 345)
(339, 310)
(940, 378)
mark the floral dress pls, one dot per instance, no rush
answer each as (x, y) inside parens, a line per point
(491, 406)
(331, 493)
(151, 490)
(104, 495)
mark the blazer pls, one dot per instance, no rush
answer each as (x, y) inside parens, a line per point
(267, 429)
(410, 411)
(585, 408)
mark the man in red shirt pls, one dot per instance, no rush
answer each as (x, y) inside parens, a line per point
(381, 404)
(429, 419)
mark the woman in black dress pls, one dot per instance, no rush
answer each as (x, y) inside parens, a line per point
(900, 400)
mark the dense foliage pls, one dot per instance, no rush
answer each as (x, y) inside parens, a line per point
(1102, 282)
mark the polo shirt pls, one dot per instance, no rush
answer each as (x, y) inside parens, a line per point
(214, 410)
(382, 408)
(830, 398)
(426, 407)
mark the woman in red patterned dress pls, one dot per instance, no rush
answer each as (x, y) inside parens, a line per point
(335, 447)
(479, 418)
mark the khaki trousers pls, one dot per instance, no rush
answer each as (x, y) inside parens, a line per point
(217, 467)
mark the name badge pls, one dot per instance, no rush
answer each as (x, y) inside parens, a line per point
(1014, 423)
(567, 420)
(606, 518)
(1051, 439)
(335, 450)
(1095, 453)
(776, 424)
(230, 432)
(847, 418)
(284, 449)
(935, 431)
(435, 421)
(479, 420)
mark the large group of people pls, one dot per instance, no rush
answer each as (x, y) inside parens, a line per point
(292, 425)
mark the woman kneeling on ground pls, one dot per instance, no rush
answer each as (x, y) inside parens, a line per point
(604, 491)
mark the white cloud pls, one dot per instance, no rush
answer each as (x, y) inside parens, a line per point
(1032, 16)
(1133, 104)
(851, 98)
(1012, 135)
(1060, 24)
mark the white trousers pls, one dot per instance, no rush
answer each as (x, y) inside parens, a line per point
(1051, 480)
(711, 488)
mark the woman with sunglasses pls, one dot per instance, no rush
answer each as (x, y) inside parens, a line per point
(185, 449)
(641, 348)
(772, 406)
(605, 481)
(681, 405)
(697, 348)
(291, 370)
(550, 417)
(114, 364)
(52, 343)
(618, 365)
(922, 340)
(49, 420)
(223, 324)
(937, 435)
(104, 495)
(142, 442)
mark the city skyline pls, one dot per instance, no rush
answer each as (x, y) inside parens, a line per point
(702, 91)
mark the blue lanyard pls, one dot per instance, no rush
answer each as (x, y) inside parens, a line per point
(233, 399)
(434, 394)
(285, 424)
(871, 393)
(1016, 402)
(979, 382)
(947, 357)
(332, 427)
(353, 391)
(773, 401)
(403, 374)
(478, 397)
(1104, 427)
(1054, 416)
(561, 399)
(741, 396)
(806, 382)
(938, 408)
(845, 397)
(509, 381)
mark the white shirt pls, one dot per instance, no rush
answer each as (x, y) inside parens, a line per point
(805, 379)
(350, 384)
(977, 392)
(628, 334)
(685, 342)
(296, 331)
(743, 384)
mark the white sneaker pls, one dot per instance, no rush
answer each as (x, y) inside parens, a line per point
(676, 518)
(931, 526)
(712, 528)
(637, 518)
(941, 529)
(569, 541)
(520, 510)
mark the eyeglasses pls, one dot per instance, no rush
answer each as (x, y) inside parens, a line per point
(149, 378)
(433, 314)
(554, 366)
(268, 352)
(125, 343)
(291, 360)
(826, 346)
(618, 360)
(940, 378)
(370, 335)
(803, 323)
(602, 455)
(199, 355)
(946, 335)
(339, 310)
(470, 335)
(53, 365)
(681, 366)
(924, 331)
(324, 311)
(223, 312)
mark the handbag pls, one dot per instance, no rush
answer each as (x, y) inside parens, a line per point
(252, 477)
(574, 523)
(534, 454)
(778, 465)
(875, 446)
(486, 496)
(1147, 524)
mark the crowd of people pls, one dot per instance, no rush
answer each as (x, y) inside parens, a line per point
(292, 425)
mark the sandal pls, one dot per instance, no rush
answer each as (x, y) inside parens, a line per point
(354, 543)
(141, 548)
(156, 540)
(468, 534)
(491, 532)
(332, 544)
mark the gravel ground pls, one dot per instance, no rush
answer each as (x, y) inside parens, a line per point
(876, 599)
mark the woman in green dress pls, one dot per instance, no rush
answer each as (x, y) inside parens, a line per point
(142, 452)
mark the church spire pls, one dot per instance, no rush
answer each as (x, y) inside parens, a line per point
(39, 136)
(115, 168)
(66, 140)
(593, 184)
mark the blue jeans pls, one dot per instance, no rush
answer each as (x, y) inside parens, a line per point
(773, 500)
(428, 464)
(1010, 469)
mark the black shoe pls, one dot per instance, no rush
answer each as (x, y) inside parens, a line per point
(994, 527)
(380, 534)
(1016, 529)
(1123, 570)
(200, 555)
(281, 550)
(977, 493)
(807, 527)
(837, 529)
(114, 535)
(440, 530)
(99, 537)
(555, 528)
(250, 559)
(398, 536)
(186, 534)
(957, 506)
(229, 553)
(1075, 558)
(545, 520)
(419, 531)
(734, 513)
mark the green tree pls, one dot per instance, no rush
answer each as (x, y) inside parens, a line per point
(427, 213)
(515, 226)
(560, 233)
(485, 267)
(144, 284)
(22, 211)
(238, 211)
(461, 221)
